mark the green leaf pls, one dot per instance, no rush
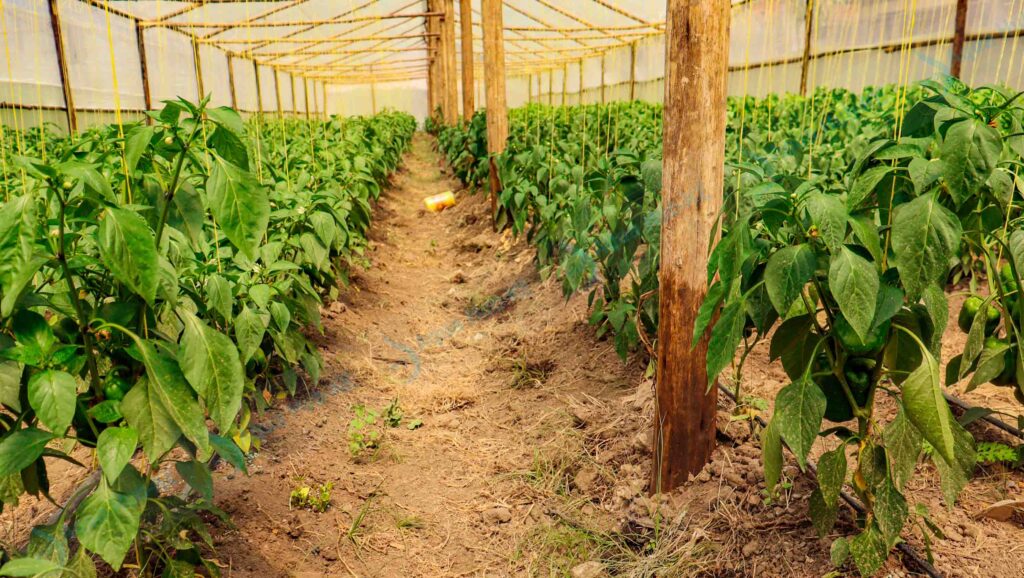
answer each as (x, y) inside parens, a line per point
(926, 407)
(865, 184)
(725, 338)
(10, 383)
(228, 118)
(714, 297)
(868, 551)
(114, 449)
(828, 214)
(890, 512)
(823, 515)
(937, 306)
(854, 282)
(924, 173)
(20, 448)
(218, 296)
(991, 363)
(210, 363)
(969, 152)
(925, 236)
(108, 521)
(136, 143)
(29, 567)
(197, 476)
(799, 409)
(250, 327)
(832, 474)
(903, 448)
(18, 233)
(145, 412)
(839, 552)
(788, 270)
(954, 475)
(771, 455)
(229, 451)
(239, 204)
(128, 249)
(52, 395)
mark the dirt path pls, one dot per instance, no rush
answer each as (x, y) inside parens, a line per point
(453, 322)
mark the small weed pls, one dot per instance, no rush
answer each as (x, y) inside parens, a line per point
(409, 523)
(989, 453)
(527, 374)
(367, 429)
(316, 499)
(356, 528)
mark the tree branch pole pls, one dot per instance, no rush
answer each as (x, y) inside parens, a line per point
(697, 45)
(468, 86)
(959, 35)
(805, 62)
(62, 65)
(451, 82)
(144, 70)
(494, 79)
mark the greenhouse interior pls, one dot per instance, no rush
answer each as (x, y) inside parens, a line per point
(485, 288)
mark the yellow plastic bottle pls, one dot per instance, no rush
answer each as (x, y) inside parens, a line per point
(440, 201)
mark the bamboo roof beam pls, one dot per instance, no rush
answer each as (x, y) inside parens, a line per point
(343, 14)
(290, 23)
(258, 17)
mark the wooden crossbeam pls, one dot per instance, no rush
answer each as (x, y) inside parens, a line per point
(291, 23)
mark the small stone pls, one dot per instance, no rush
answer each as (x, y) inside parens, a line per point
(586, 479)
(734, 479)
(459, 278)
(953, 533)
(751, 548)
(642, 441)
(753, 501)
(336, 307)
(592, 569)
(329, 554)
(497, 515)
(1001, 510)
(704, 476)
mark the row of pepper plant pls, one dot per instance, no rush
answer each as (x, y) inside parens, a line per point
(156, 282)
(847, 218)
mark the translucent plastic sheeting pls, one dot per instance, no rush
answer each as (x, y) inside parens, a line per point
(216, 81)
(29, 74)
(171, 66)
(284, 86)
(351, 100)
(768, 30)
(245, 84)
(267, 88)
(103, 60)
(846, 25)
(995, 16)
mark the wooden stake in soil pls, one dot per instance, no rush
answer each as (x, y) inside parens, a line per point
(198, 65)
(62, 65)
(231, 81)
(697, 42)
(958, 39)
(806, 60)
(468, 87)
(144, 69)
(494, 79)
(451, 82)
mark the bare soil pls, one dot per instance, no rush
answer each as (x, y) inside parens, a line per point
(532, 451)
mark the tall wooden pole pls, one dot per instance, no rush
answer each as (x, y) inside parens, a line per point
(259, 88)
(305, 95)
(323, 95)
(565, 80)
(955, 67)
(62, 65)
(295, 102)
(551, 87)
(697, 61)
(805, 62)
(277, 92)
(450, 65)
(434, 74)
(494, 78)
(632, 71)
(468, 86)
(231, 82)
(603, 58)
(198, 64)
(147, 96)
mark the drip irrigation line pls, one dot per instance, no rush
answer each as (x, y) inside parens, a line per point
(908, 551)
(996, 422)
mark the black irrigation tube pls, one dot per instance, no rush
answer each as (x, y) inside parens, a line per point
(998, 423)
(905, 548)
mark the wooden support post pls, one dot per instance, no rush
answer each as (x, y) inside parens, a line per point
(295, 101)
(259, 89)
(956, 66)
(494, 78)
(62, 65)
(305, 95)
(692, 183)
(450, 65)
(373, 92)
(632, 71)
(565, 80)
(198, 64)
(604, 56)
(551, 87)
(805, 62)
(579, 100)
(323, 96)
(468, 86)
(529, 88)
(231, 82)
(277, 92)
(147, 97)
(435, 75)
